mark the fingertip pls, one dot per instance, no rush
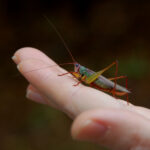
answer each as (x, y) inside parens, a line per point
(14, 58)
(106, 126)
(35, 96)
(90, 130)
(34, 65)
(20, 54)
(85, 127)
(29, 53)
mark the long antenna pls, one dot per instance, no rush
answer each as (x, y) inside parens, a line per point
(60, 36)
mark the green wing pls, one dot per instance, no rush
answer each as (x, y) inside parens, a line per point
(95, 75)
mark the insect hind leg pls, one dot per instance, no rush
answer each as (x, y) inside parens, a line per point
(65, 73)
(115, 80)
(121, 77)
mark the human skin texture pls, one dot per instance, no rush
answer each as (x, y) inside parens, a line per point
(97, 116)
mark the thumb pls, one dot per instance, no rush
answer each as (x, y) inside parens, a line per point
(114, 128)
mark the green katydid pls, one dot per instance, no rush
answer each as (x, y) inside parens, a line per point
(94, 79)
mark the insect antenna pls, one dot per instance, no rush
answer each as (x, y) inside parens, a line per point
(61, 38)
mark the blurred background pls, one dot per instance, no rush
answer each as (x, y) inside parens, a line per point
(97, 32)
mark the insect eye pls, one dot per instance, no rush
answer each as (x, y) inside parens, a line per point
(77, 65)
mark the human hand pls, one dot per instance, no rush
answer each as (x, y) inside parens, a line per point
(97, 116)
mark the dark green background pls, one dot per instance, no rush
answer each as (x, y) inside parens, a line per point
(97, 32)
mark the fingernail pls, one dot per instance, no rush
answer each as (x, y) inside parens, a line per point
(14, 58)
(35, 97)
(91, 131)
(18, 67)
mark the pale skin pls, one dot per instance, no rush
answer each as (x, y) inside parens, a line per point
(97, 116)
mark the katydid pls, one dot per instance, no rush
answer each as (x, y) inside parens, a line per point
(94, 79)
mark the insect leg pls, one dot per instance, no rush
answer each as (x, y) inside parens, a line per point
(71, 72)
(108, 90)
(77, 83)
(122, 77)
(116, 78)
(82, 79)
(116, 72)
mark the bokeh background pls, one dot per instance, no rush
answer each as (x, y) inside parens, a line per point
(97, 32)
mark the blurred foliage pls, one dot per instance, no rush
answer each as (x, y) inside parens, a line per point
(97, 32)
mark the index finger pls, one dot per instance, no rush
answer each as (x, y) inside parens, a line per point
(33, 65)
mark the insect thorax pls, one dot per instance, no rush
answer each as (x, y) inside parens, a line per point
(83, 71)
